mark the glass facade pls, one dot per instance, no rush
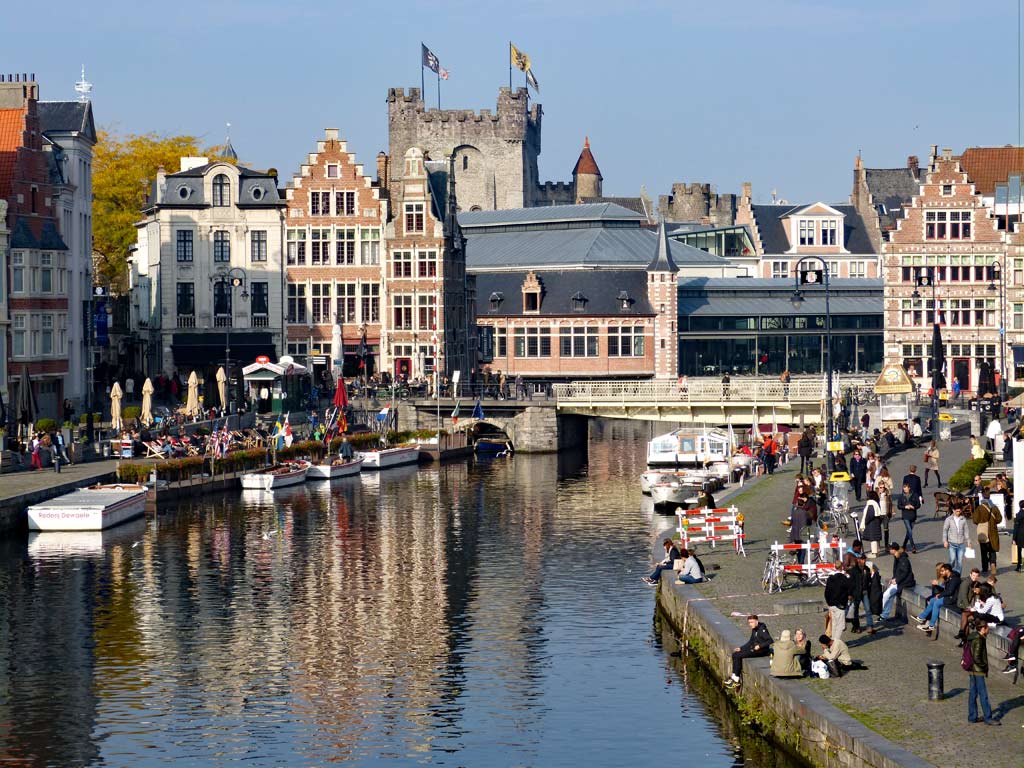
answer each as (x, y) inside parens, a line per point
(768, 354)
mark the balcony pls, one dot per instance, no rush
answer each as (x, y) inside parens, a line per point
(186, 321)
(222, 321)
(260, 321)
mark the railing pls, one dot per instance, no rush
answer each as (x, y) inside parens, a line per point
(222, 321)
(700, 390)
(186, 321)
(260, 321)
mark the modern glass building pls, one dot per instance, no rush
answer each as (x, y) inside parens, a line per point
(748, 326)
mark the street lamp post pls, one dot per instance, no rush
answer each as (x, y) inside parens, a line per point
(923, 279)
(996, 272)
(818, 277)
(234, 277)
(99, 291)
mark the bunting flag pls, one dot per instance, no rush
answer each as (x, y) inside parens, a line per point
(455, 413)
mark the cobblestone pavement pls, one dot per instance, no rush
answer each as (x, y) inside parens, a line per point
(891, 696)
(18, 483)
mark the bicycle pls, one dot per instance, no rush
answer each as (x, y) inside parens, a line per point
(774, 576)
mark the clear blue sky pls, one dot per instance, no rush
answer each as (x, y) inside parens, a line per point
(779, 93)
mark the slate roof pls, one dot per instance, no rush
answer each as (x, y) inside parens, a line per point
(47, 239)
(602, 212)
(891, 187)
(12, 128)
(988, 166)
(631, 247)
(67, 117)
(437, 178)
(629, 203)
(772, 229)
(601, 288)
(586, 162)
(738, 296)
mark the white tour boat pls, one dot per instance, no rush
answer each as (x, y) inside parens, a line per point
(386, 458)
(672, 490)
(89, 509)
(334, 470)
(689, 446)
(280, 476)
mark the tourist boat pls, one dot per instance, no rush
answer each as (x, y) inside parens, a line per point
(334, 470)
(673, 491)
(279, 476)
(89, 509)
(60, 544)
(493, 446)
(689, 447)
(386, 458)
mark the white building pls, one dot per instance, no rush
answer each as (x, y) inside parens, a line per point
(207, 272)
(69, 135)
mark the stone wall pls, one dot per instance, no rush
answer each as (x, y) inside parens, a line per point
(786, 711)
(697, 202)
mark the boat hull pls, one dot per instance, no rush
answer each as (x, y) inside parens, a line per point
(334, 471)
(389, 457)
(492, 447)
(269, 479)
(672, 495)
(89, 509)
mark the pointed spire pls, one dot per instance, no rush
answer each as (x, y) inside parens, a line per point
(229, 150)
(83, 87)
(586, 162)
(662, 261)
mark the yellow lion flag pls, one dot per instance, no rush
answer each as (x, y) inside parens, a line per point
(519, 59)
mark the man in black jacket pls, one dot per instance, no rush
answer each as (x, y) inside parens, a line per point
(944, 594)
(860, 580)
(759, 644)
(804, 448)
(914, 481)
(859, 473)
(837, 598)
(902, 578)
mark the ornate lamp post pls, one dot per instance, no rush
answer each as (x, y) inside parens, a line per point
(995, 271)
(803, 277)
(231, 279)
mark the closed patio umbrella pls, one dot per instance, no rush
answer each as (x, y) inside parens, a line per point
(115, 407)
(222, 388)
(192, 401)
(26, 401)
(146, 417)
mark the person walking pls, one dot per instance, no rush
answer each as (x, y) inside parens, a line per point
(931, 463)
(37, 459)
(955, 537)
(860, 584)
(975, 663)
(956, 390)
(858, 473)
(758, 645)
(837, 598)
(804, 448)
(987, 518)
(871, 523)
(908, 503)
(1018, 534)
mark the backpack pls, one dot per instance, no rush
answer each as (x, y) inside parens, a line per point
(967, 660)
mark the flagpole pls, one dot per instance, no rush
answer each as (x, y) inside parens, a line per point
(423, 87)
(510, 66)
(438, 87)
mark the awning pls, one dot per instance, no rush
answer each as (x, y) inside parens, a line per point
(1018, 354)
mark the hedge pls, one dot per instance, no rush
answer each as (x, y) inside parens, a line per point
(46, 425)
(96, 418)
(963, 478)
(131, 412)
(235, 461)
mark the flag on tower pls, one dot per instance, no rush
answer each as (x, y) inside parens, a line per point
(519, 59)
(430, 60)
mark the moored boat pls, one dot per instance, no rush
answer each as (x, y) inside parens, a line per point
(494, 446)
(673, 491)
(334, 470)
(386, 458)
(689, 447)
(89, 509)
(279, 476)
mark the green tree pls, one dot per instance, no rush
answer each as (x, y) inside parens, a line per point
(124, 167)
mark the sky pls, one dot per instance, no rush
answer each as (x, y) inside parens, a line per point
(783, 94)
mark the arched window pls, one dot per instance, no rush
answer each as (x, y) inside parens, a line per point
(465, 162)
(221, 191)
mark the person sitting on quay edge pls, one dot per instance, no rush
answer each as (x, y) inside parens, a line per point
(944, 591)
(902, 578)
(705, 500)
(836, 655)
(692, 572)
(803, 650)
(758, 645)
(785, 657)
(672, 554)
(987, 607)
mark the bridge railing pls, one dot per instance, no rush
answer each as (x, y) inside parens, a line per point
(699, 390)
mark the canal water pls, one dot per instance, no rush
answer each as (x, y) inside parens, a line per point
(476, 614)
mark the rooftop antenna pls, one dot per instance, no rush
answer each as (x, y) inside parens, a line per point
(83, 87)
(775, 196)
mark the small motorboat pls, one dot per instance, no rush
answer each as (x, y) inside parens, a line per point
(672, 490)
(493, 446)
(279, 476)
(334, 469)
(95, 508)
(386, 458)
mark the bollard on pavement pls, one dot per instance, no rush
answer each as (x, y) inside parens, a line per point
(936, 683)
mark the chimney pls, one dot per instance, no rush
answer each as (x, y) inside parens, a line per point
(161, 184)
(947, 153)
(382, 170)
(331, 134)
(747, 191)
(912, 165)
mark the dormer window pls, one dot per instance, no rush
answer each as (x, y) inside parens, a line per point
(828, 232)
(806, 232)
(221, 191)
(624, 301)
(496, 298)
(578, 302)
(532, 290)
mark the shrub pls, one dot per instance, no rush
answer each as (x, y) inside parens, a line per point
(131, 412)
(963, 478)
(45, 425)
(96, 418)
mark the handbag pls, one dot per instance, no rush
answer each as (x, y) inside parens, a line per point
(969, 553)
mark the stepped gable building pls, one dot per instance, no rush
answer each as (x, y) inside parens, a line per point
(949, 228)
(69, 134)
(37, 277)
(879, 195)
(334, 220)
(427, 292)
(782, 234)
(202, 222)
(583, 291)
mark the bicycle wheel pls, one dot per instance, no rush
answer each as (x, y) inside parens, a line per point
(768, 577)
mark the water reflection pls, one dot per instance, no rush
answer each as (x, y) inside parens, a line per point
(461, 615)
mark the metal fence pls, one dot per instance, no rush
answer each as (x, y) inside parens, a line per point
(701, 390)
